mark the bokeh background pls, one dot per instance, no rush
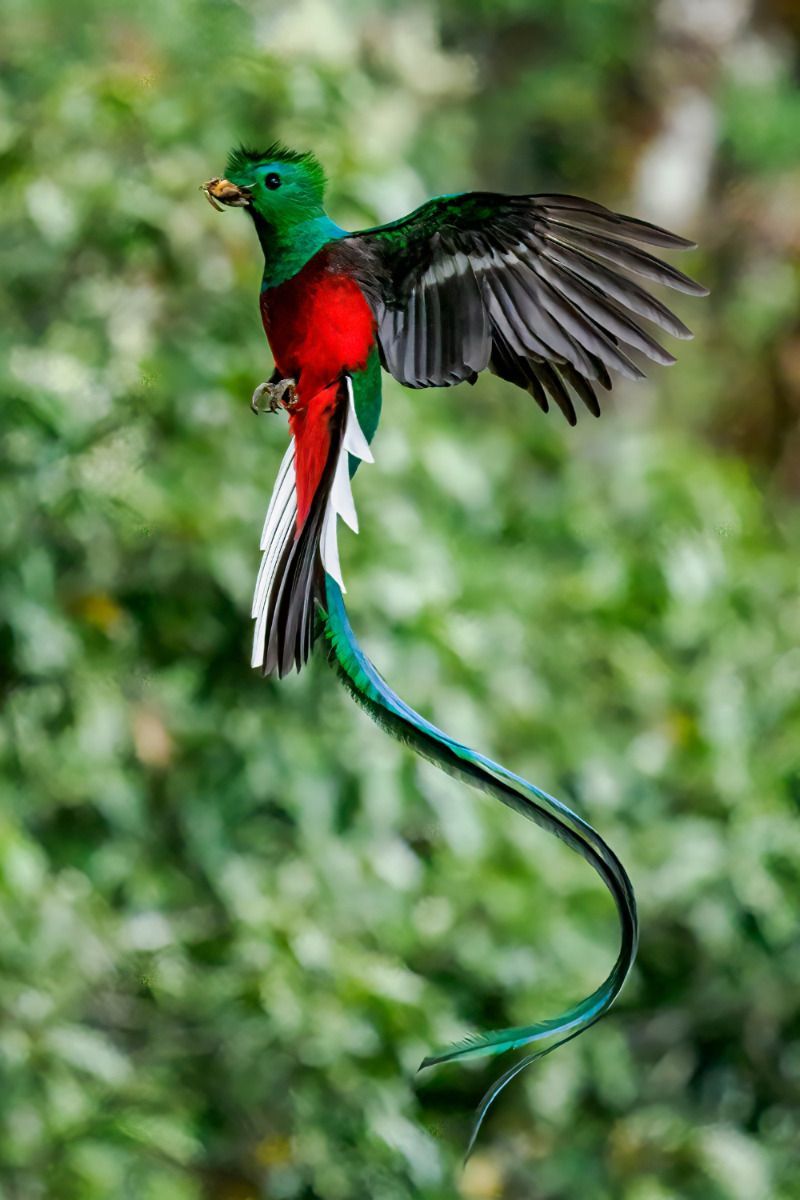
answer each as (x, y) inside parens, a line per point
(233, 915)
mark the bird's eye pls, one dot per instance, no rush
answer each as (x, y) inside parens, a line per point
(272, 181)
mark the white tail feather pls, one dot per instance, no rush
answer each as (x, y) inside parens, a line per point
(279, 526)
(340, 500)
(354, 440)
(281, 519)
(283, 486)
(341, 497)
(329, 548)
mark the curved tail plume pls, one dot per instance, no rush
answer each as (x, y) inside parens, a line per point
(402, 722)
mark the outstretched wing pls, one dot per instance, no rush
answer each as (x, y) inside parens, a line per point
(536, 288)
(299, 540)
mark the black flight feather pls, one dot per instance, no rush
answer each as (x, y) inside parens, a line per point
(536, 288)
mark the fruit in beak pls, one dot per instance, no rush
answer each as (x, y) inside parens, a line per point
(222, 191)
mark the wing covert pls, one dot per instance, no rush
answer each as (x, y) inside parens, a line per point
(537, 289)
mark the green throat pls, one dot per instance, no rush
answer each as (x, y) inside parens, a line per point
(288, 248)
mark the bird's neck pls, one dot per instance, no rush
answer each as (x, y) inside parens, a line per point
(288, 249)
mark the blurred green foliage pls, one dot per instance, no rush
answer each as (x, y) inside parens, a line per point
(234, 916)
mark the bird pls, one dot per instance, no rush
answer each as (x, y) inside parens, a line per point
(542, 290)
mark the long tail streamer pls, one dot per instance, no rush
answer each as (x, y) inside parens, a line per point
(372, 692)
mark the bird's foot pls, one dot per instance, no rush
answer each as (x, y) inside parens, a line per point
(269, 397)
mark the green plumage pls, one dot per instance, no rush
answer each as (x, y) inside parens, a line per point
(397, 718)
(290, 218)
(242, 161)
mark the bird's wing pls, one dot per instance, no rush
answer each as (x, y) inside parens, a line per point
(299, 540)
(536, 288)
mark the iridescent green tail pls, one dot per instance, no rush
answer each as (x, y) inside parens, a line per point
(393, 715)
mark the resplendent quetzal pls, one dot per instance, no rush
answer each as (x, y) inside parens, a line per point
(537, 289)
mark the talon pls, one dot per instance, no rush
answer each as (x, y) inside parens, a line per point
(282, 394)
(257, 394)
(285, 394)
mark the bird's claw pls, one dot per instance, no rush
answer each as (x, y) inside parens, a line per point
(282, 394)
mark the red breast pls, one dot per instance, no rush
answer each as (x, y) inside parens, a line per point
(319, 325)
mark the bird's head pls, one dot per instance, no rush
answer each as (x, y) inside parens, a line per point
(281, 186)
